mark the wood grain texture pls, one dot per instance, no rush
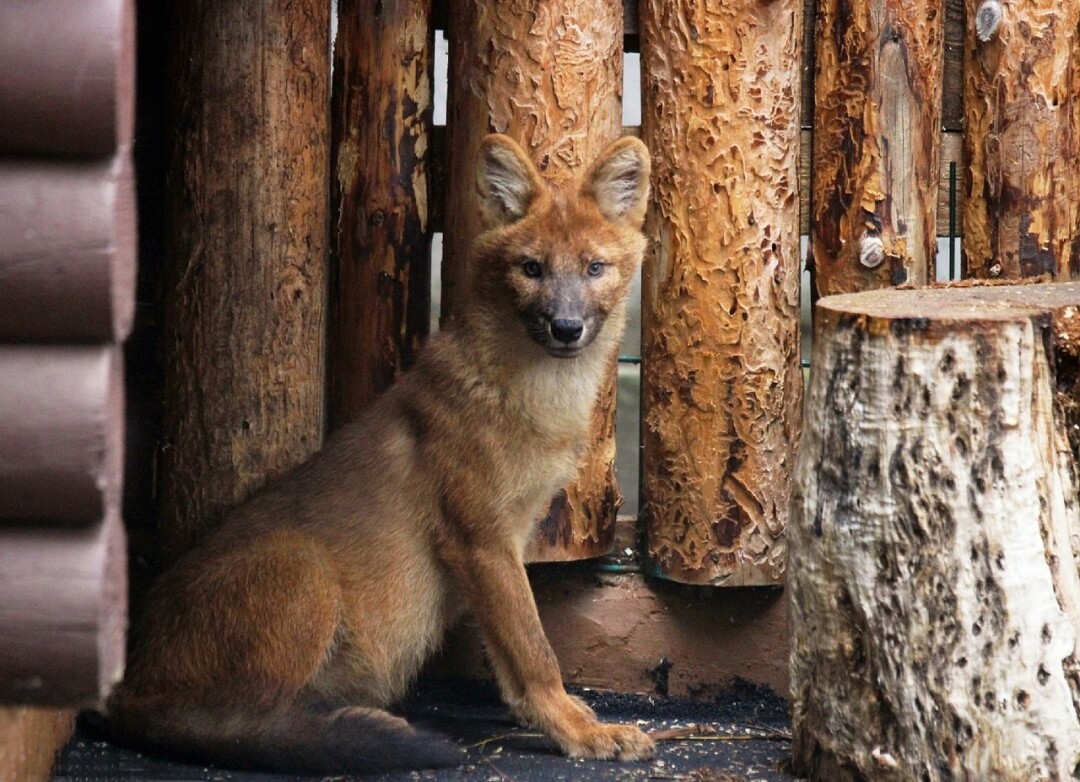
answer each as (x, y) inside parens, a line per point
(1021, 141)
(877, 130)
(67, 76)
(63, 617)
(29, 741)
(379, 296)
(548, 74)
(720, 300)
(934, 590)
(61, 433)
(67, 250)
(244, 283)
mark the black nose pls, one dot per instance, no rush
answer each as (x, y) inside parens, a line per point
(567, 330)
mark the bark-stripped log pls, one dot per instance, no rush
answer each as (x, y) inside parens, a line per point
(244, 283)
(63, 613)
(67, 250)
(877, 134)
(380, 242)
(933, 577)
(61, 433)
(67, 76)
(549, 74)
(720, 300)
(1022, 140)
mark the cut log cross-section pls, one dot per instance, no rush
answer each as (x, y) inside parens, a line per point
(934, 589)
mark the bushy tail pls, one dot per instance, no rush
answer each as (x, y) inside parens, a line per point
(347, 741)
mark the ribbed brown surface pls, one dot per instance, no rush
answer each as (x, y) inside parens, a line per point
(63, 616)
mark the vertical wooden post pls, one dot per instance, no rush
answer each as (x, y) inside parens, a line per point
(1022, 139)
(721, 384)
(877, 134)
(379, 295)
(549, 74)
(244, 285)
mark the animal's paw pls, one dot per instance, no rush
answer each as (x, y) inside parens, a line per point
(610, 742)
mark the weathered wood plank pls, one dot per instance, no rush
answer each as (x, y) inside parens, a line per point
(721, 380)
(1021, 142)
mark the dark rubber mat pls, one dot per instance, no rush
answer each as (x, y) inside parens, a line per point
(743, 734)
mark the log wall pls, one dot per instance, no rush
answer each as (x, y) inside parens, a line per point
(67, 278)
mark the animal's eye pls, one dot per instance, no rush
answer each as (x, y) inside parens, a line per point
(596, 268)
(532, 268)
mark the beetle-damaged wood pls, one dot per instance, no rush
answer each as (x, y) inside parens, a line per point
(934, 589)
(877, 134)
(1021, 142)
(720, 295)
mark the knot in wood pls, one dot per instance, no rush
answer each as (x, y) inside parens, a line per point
(988, 19)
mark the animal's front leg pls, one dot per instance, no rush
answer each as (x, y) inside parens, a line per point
(494, 580)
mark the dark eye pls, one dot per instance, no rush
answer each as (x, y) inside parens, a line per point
(596, 268)
(532, 269)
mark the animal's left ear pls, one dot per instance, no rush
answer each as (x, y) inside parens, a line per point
(619, 182)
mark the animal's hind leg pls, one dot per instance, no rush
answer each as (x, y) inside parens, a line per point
(251, 626)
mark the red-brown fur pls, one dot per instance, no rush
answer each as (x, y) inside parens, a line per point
(278, 641)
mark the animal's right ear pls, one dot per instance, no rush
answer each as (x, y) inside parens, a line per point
(507, 180)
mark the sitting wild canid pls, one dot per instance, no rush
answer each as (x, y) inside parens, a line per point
(277, 642)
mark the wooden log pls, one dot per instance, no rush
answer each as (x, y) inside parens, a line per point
(67, 76)
(30, 739)
(244, 277)
(934, 589)
(549, 74)
(380, 241)
(877, 132)
(63, 616)
(67, 250)
(1021, 139)
(61, 433)
(720, 287)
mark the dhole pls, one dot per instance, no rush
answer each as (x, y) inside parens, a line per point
(278, 641)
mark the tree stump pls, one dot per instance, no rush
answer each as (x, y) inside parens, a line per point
(933, 580)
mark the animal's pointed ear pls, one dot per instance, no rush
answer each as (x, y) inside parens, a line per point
(619, 182)
(507, 180)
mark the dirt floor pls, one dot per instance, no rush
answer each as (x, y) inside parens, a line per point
(743, 735)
